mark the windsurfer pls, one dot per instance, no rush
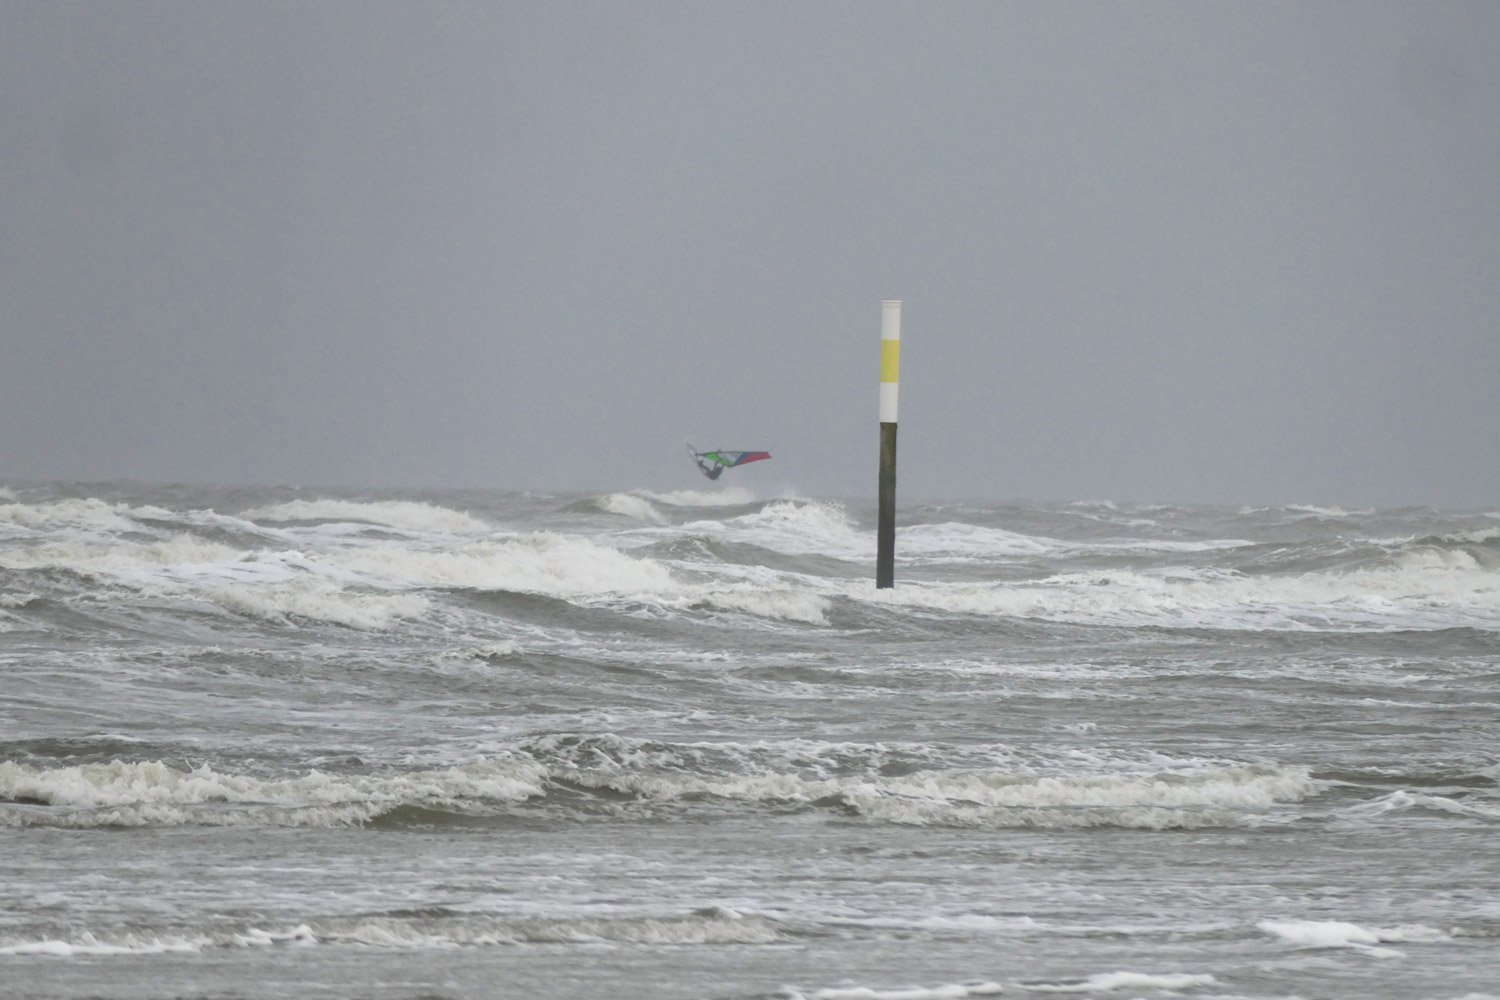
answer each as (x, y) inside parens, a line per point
(717, 461)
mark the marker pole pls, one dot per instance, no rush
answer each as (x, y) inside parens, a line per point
(890, 371)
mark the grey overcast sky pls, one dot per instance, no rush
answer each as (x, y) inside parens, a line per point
(1197, 251)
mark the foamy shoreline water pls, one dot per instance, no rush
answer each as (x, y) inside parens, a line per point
(662, 743)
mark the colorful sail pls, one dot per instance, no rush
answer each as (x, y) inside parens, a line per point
(713, 463)
(730, 459)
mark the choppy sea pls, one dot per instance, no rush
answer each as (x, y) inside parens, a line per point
(277, 742)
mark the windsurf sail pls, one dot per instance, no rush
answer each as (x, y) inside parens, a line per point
(713, 463)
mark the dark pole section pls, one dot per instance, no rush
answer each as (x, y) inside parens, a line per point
(885, 529)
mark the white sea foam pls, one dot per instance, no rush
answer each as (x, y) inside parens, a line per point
(1400, 801)
(1307, 508)
(317, 600)
(1105, 981)
(139, 563)
(481, 651)
(948, 991)
(785, 603)
(342, 584)
(1339, 934)
(89, 514)
(1476, 537)
(91, 518)
(407, 515)
(1210, 798)
(1432, 557)
(541, 562)
(797, 528)
(262, 584)
(972, 542)
(88, 944)
(152, 793)
(961, 542)
(341, 579)
(630, 505)
(1416, 593)
(254, 937)
(712, 925)
(570, 568)
(732, 496)
(351, 584)
(965, 924)
(1062, 670)
(1109, 513)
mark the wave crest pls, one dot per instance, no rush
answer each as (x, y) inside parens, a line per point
(867, 781)
(408, 515)
(440, 929)
(153, 793)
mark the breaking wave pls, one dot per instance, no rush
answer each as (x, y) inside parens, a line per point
(153, 793)
(1106, 981)
(788, 560)
(407, 515)
(88, 514)
(631, 506)
(435, 928)
(837, 779)
(948, 991)
(1339, 934)
(1418, 592)
(732, 496)
(797, 527)
(541, 562)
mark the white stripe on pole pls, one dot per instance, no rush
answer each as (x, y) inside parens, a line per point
(890, 358)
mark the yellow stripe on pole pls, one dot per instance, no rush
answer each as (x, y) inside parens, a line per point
(890, 361)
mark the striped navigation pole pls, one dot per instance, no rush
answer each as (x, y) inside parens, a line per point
(890, 377)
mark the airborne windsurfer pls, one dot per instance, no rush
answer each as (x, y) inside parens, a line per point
(717, 461)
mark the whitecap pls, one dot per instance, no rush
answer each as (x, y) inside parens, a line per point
(785, 603)
(796, 528)
(631, 506)
(1418, 592)
(1105, 981)
(1210, 797)
(90, 514)
(88, 944)
(541, 562)
(405, 514)
(152, 793)
(733, 496)
(1401, 800)
(317, 600)
(948, 991)
(1332, 512)
(1341, 934)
